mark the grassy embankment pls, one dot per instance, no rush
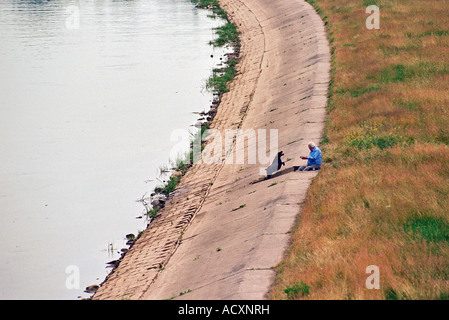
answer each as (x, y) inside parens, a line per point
(382, 197)
(218, 83)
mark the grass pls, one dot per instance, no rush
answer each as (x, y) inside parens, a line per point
(383, 198)
(298, 289)
(169, 187)
(153, 212)
(227, 34)
(429, 229)
(240, 207)
(221, 77)
(185, 292)
(211, 5)
(372, 136)
(294, 141)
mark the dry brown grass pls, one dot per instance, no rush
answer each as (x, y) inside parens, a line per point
(382, 197)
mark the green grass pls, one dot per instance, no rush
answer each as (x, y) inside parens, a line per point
(391, 294)
(294, 141)
(421, 70)
(184, 292)
(153, 212)
(374, 135)
(298, 289)
(182, 166)
(169, 187)
(358, 91)
(212, 5)
(443, 137)
(227, 34)
(240, 207)
(430, 229)
(430, 33)
(407, 104)
(220, 78)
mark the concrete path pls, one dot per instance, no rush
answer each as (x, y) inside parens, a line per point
(225, 229)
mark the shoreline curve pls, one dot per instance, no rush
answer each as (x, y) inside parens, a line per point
(223, 230)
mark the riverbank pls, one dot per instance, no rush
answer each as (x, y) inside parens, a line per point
(223, 230)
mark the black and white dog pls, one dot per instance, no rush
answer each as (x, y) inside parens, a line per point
(275, 165)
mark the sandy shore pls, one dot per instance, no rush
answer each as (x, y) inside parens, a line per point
(200, 244)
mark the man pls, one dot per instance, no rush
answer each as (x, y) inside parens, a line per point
(313, 160)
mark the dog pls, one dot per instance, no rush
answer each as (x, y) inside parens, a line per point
(275, 165)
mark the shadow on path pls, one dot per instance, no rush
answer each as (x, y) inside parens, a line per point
(277, 174)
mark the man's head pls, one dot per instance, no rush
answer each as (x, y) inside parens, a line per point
(311, 146)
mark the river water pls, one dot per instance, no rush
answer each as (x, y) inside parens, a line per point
(90, 92)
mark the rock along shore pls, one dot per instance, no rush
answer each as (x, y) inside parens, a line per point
(223, 230)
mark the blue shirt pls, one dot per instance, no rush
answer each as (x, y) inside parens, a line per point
(314, 157)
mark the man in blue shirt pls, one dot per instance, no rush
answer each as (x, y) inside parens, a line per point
(313, 160)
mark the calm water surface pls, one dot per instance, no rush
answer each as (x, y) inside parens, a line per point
(87, 107)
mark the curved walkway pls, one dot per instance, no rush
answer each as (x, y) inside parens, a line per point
(225, 230)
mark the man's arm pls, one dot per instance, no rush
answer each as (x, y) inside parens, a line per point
(314, 154)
